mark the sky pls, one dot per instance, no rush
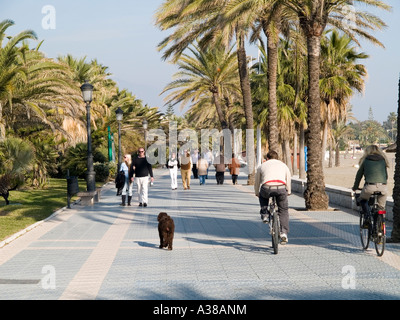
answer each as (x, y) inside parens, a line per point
(121, 35)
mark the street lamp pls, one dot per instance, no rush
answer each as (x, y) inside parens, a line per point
(144, 123)
(119, 115)
(87, 94)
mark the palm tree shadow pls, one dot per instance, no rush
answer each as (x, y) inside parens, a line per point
(147, 244)
(248, 247)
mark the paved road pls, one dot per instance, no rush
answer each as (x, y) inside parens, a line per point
(221, 251)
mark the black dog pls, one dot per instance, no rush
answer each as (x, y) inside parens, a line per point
(166, 229)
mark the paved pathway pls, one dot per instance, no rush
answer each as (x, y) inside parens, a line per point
(221, 251)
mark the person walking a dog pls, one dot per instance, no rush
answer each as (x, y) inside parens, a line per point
(273, 179)
(141, 169)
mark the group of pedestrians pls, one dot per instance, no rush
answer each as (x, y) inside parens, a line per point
(199, 165)
(272, 179)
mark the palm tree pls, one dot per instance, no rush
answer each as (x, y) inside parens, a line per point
(9, 68)
(203, 21)
(340, 76)
(314, 15)
(206, 76)
(16, 157)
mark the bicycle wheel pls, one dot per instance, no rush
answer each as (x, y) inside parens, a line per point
(380, 236)
(275, 231)
(365, 233)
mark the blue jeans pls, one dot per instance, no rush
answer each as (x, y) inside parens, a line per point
(202, 179)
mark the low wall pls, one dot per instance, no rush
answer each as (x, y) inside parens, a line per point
(340, 197)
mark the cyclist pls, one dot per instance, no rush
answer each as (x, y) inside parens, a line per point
(373, 166)
(273, 178)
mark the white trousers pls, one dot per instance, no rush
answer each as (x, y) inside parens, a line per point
(174, 177)
(127, 190)
(142, 188)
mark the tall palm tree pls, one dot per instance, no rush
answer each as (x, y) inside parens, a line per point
(203, 20)
(269, 17)
(314, 15)
(341, 74)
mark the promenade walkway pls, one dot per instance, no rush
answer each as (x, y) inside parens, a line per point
(221, 251)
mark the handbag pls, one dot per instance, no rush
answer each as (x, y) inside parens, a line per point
(120, 182)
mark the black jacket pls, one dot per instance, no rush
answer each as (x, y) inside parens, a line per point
(140, 167)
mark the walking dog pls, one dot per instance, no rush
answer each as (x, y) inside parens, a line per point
(166, 228)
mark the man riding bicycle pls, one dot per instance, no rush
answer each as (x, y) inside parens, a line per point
(273, 179)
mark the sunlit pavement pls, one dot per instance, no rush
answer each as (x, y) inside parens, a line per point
(221, 250)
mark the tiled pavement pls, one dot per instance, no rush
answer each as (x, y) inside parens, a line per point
(221, 251)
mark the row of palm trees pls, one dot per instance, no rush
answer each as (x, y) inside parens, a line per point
(208, 27)
(41, 103)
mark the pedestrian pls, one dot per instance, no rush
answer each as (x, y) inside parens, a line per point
(234, 168)
(127, 189)
(220, 170)
(173, 165)
(202, 167)
(373, 166)
(186, 167)
(195, 159)
(141, 169)
(273, 179)
(210, 159)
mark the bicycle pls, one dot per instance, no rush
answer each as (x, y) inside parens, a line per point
(372, 227)
(274, 224)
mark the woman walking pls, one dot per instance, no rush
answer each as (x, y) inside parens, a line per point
(234, 168)
(127, 189)
(202, 167)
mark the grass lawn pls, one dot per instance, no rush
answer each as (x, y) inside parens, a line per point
(30, 206)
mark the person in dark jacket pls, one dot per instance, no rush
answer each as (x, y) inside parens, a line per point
(141, 169)
(373, 166)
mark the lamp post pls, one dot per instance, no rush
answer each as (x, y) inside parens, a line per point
(144, 123)
(87, 93)
(119, 115)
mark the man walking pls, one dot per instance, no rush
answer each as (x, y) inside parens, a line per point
(141, 169)
(273, 179)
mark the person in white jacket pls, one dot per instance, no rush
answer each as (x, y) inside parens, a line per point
(173, 165)
(273, 178)
(127, 190)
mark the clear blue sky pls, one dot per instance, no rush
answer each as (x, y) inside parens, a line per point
(121, 35)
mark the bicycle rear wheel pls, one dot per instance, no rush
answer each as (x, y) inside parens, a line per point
(380, 236)
(365, 233)
(275, 232)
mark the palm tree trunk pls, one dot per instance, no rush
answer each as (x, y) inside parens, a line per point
(302, 155)
(295, 148)
(217, 103)
(395, 236)
(273, 134)
(314, 195)
(246, 93)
